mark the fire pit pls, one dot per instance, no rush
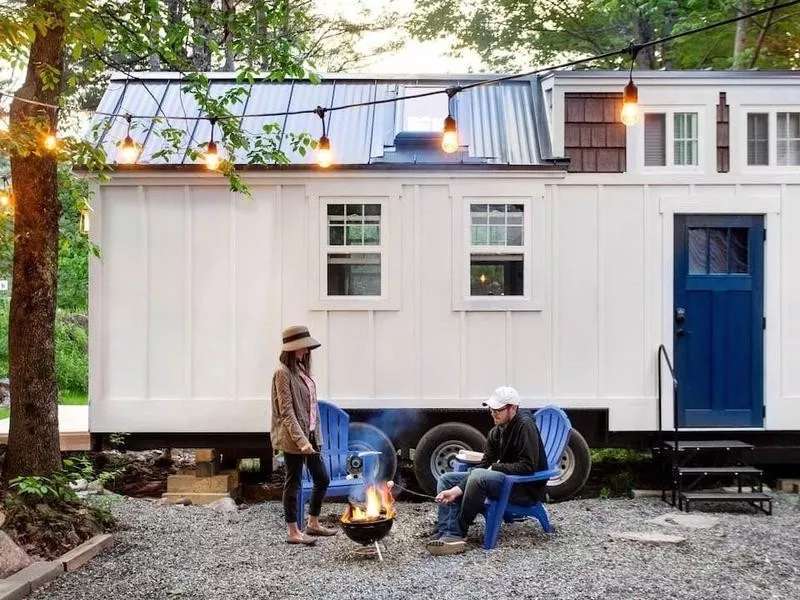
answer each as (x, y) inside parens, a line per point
(368, 523)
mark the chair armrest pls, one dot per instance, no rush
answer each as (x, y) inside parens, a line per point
(540, 476)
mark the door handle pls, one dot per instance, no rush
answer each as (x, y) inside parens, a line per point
(680, 315)
(680, 332)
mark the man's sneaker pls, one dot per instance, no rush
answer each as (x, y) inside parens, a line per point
(447, 544)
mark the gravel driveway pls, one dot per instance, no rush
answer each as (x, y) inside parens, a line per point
(192, 552)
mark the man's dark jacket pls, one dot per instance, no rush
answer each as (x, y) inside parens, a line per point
(516, 449)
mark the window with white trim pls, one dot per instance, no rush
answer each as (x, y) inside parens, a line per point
(354, 250)
(497, 261)
(773, 139)
(677, 145)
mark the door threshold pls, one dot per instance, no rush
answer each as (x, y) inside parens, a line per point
(720, 429)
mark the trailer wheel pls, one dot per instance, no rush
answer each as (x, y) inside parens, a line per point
(364, 437)
(576, 463)
(436, 451)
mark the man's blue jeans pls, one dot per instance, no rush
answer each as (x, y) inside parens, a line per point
(478, 484)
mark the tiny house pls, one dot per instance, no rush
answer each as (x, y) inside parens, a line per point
(556, 251)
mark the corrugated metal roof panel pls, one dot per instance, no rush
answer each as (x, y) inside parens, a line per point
(497, 123)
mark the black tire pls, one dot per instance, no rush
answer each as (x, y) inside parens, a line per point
(436, 450)
(364, 436)
(576, 464)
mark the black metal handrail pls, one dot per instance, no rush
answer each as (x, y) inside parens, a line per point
(662, 353)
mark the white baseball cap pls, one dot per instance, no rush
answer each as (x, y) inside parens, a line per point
(503, 396)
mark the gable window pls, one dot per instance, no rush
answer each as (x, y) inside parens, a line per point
(773, 139)
(757, 139)
(676, 145)
(354, 249)
(788, 127)
(497, 262)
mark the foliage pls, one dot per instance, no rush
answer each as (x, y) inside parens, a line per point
(521, 34)
(56, 488)
(72, 348)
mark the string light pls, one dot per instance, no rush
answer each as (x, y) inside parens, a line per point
(128, 151)
(324, 154)
(6, 195)
(630, 96)
(49, 141)
(450, 133)
(212, 158)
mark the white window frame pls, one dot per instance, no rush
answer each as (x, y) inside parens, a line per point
(772, 134)
(669, 139)
(389, 248)
(532, 250)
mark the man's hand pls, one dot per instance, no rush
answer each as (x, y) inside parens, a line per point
(449, 496)
(307, 448)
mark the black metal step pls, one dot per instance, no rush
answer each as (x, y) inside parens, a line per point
(736, 470)
(687, 445)
(726, 496)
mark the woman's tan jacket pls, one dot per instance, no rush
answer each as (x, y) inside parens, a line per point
(291, 410)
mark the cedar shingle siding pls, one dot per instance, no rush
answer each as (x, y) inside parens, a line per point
(594, 138)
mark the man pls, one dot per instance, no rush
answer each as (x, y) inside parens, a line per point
(514, 447)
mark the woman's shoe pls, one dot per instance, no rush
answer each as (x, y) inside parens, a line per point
(304, 540)
(321, 531)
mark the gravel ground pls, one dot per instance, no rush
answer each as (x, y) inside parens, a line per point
(179, 553)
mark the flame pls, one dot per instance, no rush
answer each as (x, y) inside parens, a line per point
(378, 505)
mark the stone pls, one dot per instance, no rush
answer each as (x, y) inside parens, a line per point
(38, 574)
(224, 505)
(205, 455)
(85, 552)
(14, 590)
(788, 485)
(79, 485)
(688, 521)
(12, 557)
(5, 392)
(646, 493)
(95, 486)
(201, 498)
(656, 538)
(182, 484)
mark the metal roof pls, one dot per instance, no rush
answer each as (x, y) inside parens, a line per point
(500, 124)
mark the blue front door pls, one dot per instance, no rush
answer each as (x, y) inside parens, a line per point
(718, 320)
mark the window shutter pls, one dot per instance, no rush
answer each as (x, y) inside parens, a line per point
(655, 154)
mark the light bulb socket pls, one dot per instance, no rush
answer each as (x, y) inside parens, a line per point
(449, 124)
(631, 93)
(211, 148)
(324, 143)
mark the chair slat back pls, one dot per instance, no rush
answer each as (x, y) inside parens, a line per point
(335, 424)
(554, 427)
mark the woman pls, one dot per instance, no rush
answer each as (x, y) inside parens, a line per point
(296, 430)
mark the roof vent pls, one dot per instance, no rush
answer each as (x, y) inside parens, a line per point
(410, 141)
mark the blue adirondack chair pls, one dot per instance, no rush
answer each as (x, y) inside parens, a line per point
(554, 428)
(335, 425)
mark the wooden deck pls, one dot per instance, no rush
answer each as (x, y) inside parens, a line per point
(71, 441)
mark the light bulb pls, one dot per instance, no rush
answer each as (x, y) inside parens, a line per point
(128, 152)
(212, 158)
(630, 105)
(324, 154)
(450, 135)
(5, 198)
(50, 141)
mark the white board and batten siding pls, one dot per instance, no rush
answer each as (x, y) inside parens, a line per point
(195, 283)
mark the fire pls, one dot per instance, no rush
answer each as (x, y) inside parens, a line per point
(378, 504)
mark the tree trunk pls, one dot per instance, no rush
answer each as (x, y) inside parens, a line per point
(201, 53)
(227, 39)
(175, 16)
(761, 36)
(33, 443)
(740, 39)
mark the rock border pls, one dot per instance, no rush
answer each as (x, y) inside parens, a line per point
(32, 577)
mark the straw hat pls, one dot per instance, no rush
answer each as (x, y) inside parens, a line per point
(297, 337)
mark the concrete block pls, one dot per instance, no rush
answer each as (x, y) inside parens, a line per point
(788, 485)
(207, 469)
(646, 493)
(14, 590)
(205, 455)
(201, 498)
(190, 484)
(732, 489)
(685, 520)
(85, 552)
(38, 574)
(659, 539)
